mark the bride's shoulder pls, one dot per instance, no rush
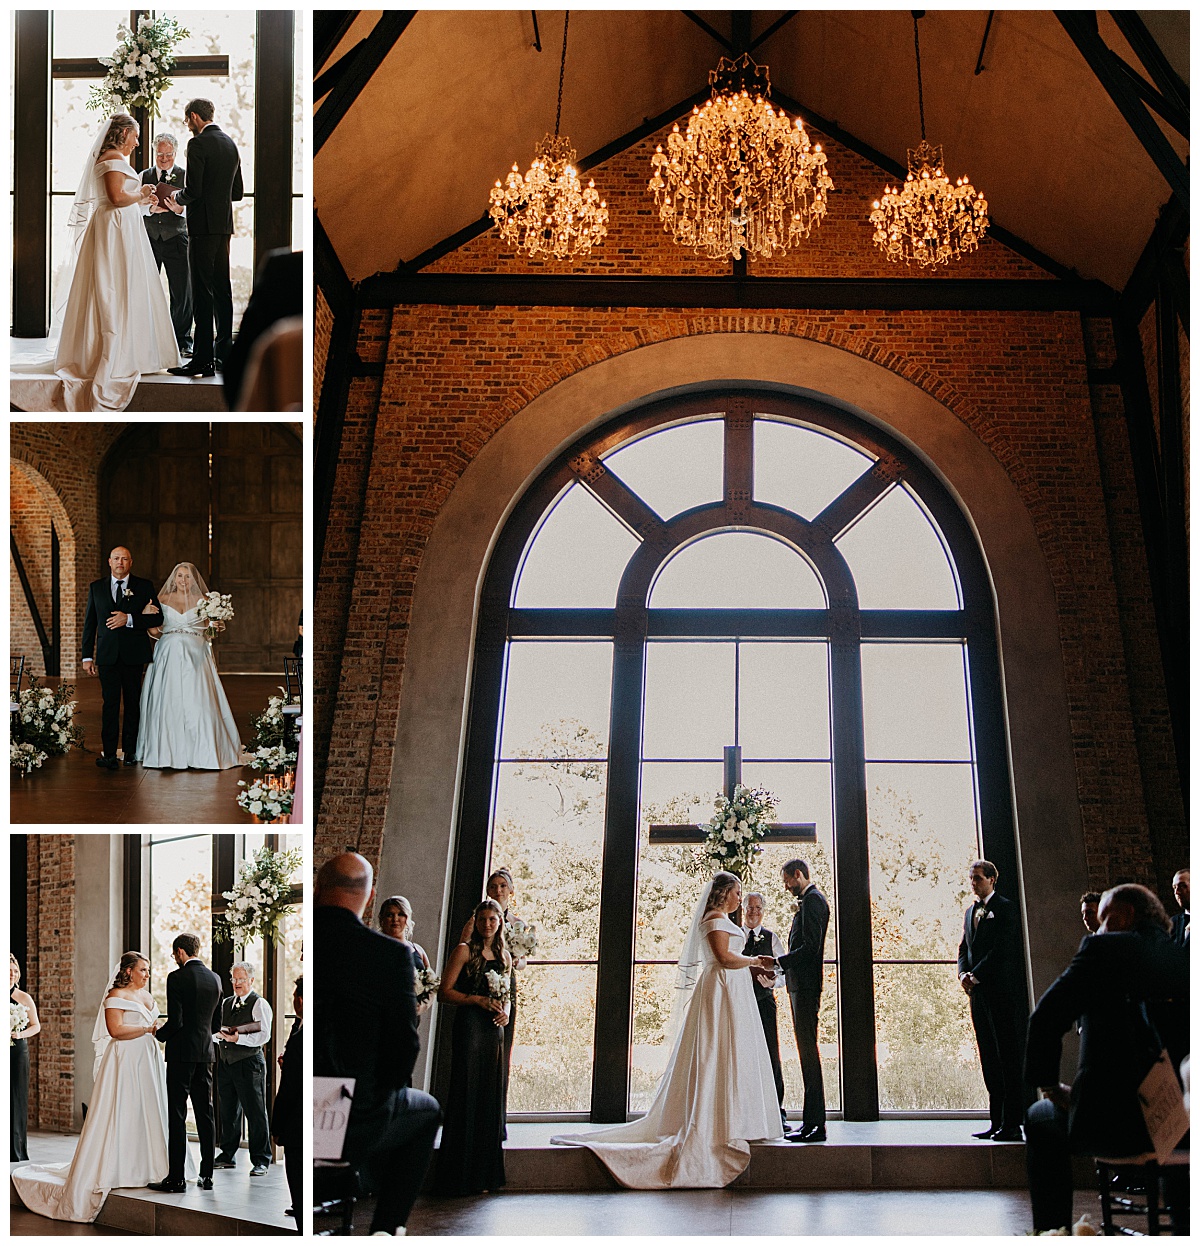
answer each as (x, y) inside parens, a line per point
(111, 157)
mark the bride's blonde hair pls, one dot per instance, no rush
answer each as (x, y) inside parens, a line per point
(119, 125)
(722, 883)
(124, 976)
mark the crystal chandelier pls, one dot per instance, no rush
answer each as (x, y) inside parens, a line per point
(743, 178)
(928, 219)
(548, 212)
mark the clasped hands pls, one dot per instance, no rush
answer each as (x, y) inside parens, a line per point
(151, 199)
(119, 619)
(489, 1003)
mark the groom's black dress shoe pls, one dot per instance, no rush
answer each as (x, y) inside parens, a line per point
(107, 763)
(988, 1132)
(167, 1187)
(129, 761)
(813, 1133)
(1008, 1135)
(205, 1183)
(194, 370)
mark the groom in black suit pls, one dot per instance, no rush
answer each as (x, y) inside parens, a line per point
(213, 184)
(193, 997)
(121, 647)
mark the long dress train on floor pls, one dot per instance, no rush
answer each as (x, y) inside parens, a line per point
(124, 1138)
(186, 720)
(716, 1096)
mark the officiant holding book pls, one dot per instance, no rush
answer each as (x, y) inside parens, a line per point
(167, 226)
(242, 1072)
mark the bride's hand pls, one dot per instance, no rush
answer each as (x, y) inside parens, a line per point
(156, 632)
(150, 608)
(765, 962)
(148, 196)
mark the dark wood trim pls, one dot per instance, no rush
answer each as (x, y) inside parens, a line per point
(274, 78)
(330, 27)
(185, 66)
(54, 662)
(799, 293)
(1146, 49)
(775, 26)
(31, 155)
(328, 270)
(714, 34)
(133, 910)
(30, 601)
(1163, 250)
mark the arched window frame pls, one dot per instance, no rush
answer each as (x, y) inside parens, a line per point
(630, 623)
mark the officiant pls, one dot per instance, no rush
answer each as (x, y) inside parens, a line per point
(167, 226)
(242, 1072)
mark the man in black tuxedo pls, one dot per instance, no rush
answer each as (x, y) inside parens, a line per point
(168, 233)
(1181, 923)
(193, 997)
(763, 942)
(1128, 988)
(366, 1028)
(212, 186)
(991, 971)
(122, 648)
(804, 966)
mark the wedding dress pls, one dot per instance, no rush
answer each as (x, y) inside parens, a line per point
(185, 718)
(717, 1094)
(124, 1138)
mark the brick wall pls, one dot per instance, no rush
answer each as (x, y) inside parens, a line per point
(50, 974)
(29, 520)
(322, 332)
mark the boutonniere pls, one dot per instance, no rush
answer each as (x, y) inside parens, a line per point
(127, 593)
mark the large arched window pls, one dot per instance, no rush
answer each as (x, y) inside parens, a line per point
(742, 568)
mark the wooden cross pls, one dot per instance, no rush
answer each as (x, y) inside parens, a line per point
(777, 832)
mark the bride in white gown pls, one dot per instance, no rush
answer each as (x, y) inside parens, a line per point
(717, 1094)
(124, 1138)
(117, 322)
(185, 719)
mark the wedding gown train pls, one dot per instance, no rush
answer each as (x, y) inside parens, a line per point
(124, 1138)
(716, 1096)
(185, 718)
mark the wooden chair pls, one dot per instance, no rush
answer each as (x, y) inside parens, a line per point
(16, 676)
(1132, 1186)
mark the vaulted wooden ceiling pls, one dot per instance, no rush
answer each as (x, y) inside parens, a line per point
(459, 96)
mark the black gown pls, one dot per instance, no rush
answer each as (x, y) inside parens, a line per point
(18, 1091)
(471, 1155)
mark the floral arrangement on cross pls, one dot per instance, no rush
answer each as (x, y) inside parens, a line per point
(260, 897)
(137, 71)
(734, 833)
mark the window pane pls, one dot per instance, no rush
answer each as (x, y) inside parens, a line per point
(548, 828)
(552, 1043)
(299, 223)
(689, 700)
(676, 468)
(915, 702)
(653, 998)
(743, 569)
(897, 558)
(556, 699)
(801, 469)
(180, 903)
(576, 555)
(925, 1045)
(923, 837)
(73, 129)
(784, 700)
(90, 33)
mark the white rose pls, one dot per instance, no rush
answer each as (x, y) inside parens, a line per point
(743, 825)
(727, 836)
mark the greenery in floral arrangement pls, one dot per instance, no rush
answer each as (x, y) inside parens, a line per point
(45, 722)
(265, 803)
(275, 760)
(268, 726)
(260, 897)
(736, 828)
(25, 758)
(137, 71)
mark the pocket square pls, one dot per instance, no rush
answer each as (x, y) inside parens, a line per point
(990, 916)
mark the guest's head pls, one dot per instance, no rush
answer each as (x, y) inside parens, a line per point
(487, 933)
(133, 970)
(982, 876)
(166, 147)
(242, 977)
(1089, 910)
(184, 948)
(395, 918)
(197, 114)
(298, 998)
(345, 882)
(122, 133)
(14, 970)
(1181, 885)
(796, 876)
(1131, 907)
(120, 562)
(500, 887)
(753, 908)
(726, 893)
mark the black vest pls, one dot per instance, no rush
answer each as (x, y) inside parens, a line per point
(760, 945)
(235, 1012)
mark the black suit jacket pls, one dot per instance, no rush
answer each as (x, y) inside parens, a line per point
(1179, 924)
(129, 645)
(287, 1115)
(278, 292)
(993, 952)
(1129, 992)
(804, 961)
(364, 1019)
(213, 183)
(163, 225)
(193, 998)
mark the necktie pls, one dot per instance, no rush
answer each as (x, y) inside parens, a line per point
(117, 594)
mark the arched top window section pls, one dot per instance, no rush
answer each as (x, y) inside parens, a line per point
(746, 569)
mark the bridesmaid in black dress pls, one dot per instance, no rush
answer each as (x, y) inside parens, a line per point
(18, 1063)
(471, 1155)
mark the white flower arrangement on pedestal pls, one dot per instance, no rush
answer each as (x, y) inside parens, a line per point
(18, 1020)
(736, 827)
(137, 71)
(260, 897)
(276, 759)
(214, 611)
(265, 801)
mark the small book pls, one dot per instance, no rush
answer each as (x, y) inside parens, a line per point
(163, 191)
(251, 1027)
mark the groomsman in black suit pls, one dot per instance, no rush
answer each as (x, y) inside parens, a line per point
(991, 971)
(114, 630)
(168, 233)
(763, 942)
(193, 997)
(212, 186)
(1181, 923)
(804, 965)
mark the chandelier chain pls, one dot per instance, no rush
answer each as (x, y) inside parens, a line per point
(562, 70)
(920, 88)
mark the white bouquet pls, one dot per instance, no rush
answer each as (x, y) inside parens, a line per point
(736, 827)
(137, 73)
(18, 1020)
(214, 611)
(25, 758)
(521, 938)
(263, 802)
(498, 985)
(426, 985)
(260, 897)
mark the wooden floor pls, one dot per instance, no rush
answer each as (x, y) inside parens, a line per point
(73, 790)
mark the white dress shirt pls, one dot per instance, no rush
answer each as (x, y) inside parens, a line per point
(112, 592)
(777, 950)
(262, 1014)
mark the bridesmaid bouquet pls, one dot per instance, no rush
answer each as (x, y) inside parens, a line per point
(214, 611)
(521, 938)
(498, 985)
(426, 985)
(18, 1020)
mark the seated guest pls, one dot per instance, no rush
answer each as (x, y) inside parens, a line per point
(287, 1116)
(1128, 989)
(396, 921)
(366, 1028)
(1089, 911)
(278, 293)
(471, 1155)
(1181, 923)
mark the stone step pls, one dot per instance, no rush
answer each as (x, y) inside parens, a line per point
(154, 393)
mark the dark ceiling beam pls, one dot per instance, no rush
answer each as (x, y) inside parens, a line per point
(1082, 28)
(330, 275)
(371, 54)
(770, 30)
(1145, 48)
(330, 27)
(332, 76)
(708, 30)
(1162, 254)
(792, 293)
(1177, 118)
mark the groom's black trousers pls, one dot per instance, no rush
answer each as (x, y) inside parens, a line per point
(189, 1079)
(805, 1007)
(120, 681)
(212, 298)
